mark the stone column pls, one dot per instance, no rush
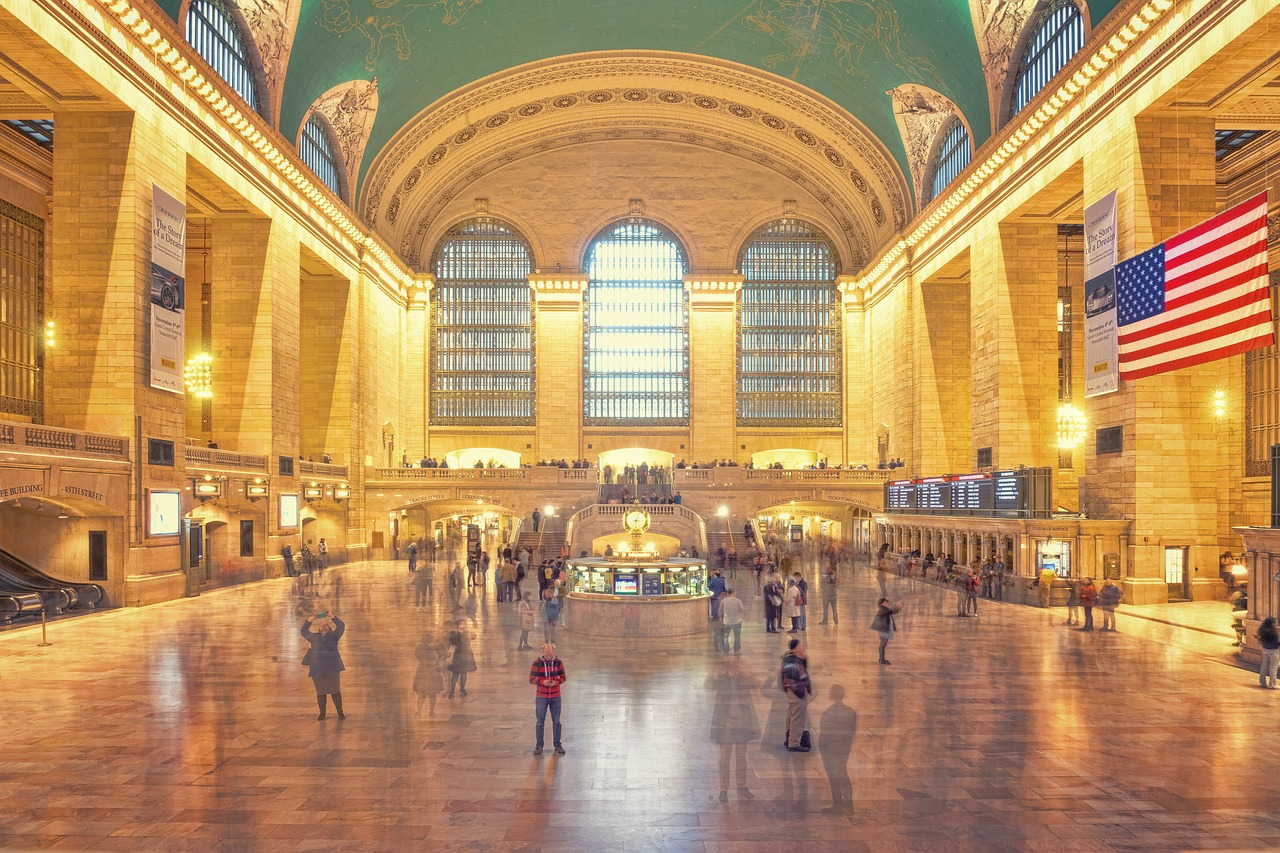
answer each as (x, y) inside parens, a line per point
(943, 396)
(1168, 478)
(558, 298)
(98, 378)
(1014, 295)
(417, 375)
(713, 366)
(859, 437)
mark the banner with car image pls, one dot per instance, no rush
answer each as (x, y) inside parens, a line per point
(168, 289)
(1101, 367)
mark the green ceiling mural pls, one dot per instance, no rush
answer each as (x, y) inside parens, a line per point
(851, 51)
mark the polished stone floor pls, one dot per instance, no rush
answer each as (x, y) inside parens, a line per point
(191, 726)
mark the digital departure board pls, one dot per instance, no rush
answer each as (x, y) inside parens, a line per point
(900, 495)
(1016, 493)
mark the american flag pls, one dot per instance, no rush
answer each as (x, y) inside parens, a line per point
(1199, 297)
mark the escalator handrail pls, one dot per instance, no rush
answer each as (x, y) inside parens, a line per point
(40, 579)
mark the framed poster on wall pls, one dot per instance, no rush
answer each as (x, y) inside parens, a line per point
(164, 513)
(288, 510)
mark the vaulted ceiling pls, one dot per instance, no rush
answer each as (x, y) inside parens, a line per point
(406, 81)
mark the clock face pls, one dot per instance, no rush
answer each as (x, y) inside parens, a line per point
(636, 520)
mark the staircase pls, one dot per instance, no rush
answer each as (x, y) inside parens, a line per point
(549, 541)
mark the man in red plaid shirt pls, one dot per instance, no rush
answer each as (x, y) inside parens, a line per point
(547, 674)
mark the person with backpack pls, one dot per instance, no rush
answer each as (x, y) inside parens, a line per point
(526, 610)
(413, 556)
(798, 687)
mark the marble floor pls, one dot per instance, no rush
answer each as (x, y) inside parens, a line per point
(191, 726)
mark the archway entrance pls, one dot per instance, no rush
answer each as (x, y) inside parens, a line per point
(788, 457)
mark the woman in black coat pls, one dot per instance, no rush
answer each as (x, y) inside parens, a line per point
(323, 631)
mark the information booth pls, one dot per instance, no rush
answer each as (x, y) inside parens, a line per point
(637, 593)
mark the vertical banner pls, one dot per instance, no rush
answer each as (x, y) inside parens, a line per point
(1101, 368)
(168, 289)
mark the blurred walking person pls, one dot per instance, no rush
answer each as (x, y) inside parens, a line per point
(461, 659)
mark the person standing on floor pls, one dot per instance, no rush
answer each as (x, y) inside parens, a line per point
(1073, 605)
(970, 593)
(1109, 598)
(829, 583)
(733, 726)
(547, 674)
(1088, 598)
(731, 612)
(323, 549)
(773, 593)
(421, 589)
(526, 611)
(803, 586)
(791, 606)
(884, 625)
(1269, 640)
(324, 664)
(798, 687)
(837, 729)
(461, 659)
(413, 556)
(537, 519)
(716, 586)
(998, 579)
(427, 680)
(455, 585)
(551, 614)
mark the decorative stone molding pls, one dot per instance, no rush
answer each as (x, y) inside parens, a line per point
(350, 109)
(558, 290)
(713, 292)
(740, 111)
(922, 114)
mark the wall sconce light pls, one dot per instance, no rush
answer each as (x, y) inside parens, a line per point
(255, 490)
(1072, 427)
(50, 335)
(1219, 403)
(207, 488)
(199, 376)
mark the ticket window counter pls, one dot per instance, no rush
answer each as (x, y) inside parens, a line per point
(1054, 554)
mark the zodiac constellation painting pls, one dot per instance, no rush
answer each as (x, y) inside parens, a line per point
(385, 21)
(846, 28)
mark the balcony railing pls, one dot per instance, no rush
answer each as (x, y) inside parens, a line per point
(207, 457)
(57, 441)
(323, 470)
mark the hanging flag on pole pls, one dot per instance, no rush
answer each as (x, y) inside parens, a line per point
(1198, 297)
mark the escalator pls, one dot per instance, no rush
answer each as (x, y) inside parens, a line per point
(19, 580)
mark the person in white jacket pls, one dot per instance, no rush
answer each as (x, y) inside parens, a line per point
(791, 606)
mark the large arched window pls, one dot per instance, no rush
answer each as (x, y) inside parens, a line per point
(789, 352)
(318, 152)
(1056, 36)
(482, 367)
(953, 156)
(636, 329)
(212, 31)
